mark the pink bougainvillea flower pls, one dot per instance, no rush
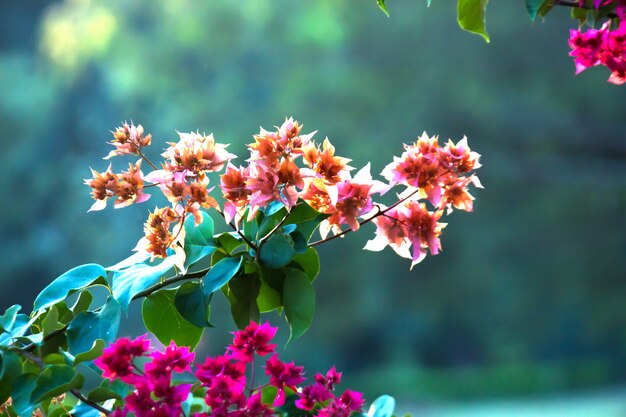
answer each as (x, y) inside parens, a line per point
(116, 360)
(236, 194)
(586, 47)
(456, 194)
(459, 158)
(103, 186)
(222, 368)
(311, 395)
(283, 375)
(421, 228)
(253, 339)
(196, 153)
(325, 164)
(157, 236)
(174, 359)
(329, 380)
(128, 140)
(347, 403)
(354, 199)
(129, 188)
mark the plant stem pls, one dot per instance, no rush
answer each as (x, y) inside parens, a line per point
(369, 219)
(248, 241)
(37, 361)
(271, 232)
(145, 158)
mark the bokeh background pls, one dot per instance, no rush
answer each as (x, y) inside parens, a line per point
(524, 313)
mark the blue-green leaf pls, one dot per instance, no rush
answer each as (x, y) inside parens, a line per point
(192, 304)
(219, 274)
(229, 241)
(7, 320)
(243, 294)
(382, 406)
(10, 369)
(164, 321)
(299, 301)
(278, 250)
(130, 282)
(74, 279)
(89, 326)
(21, 395)
(198, 239)
(383, 7)
(471, 16)
(55, 380)
(309, 262)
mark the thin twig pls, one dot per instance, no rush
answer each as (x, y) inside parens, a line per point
(248, 241)
(271, 232)
(37, 361)
(145, 158)
(369, 219)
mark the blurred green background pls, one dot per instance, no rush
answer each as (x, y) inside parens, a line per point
(524, 313)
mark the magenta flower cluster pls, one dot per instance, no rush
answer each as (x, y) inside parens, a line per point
(226, 382)
(602, 46)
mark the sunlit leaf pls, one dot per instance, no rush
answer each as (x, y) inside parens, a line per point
(471, 16)
(163, 320)
(74, 279)
(130, 282)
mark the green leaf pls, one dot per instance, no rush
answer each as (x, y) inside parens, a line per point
(84, 410)
(10, 369)
(101, 394)
(580, 15)
(309, 262)
(270, 295)
(50, 321)
(7, 320)
(130, 282)
(74, 279)
(545, 8)
(22, 389)
(91, 354)
(278, 250)
(471, 16)
(192, 304)
(83, 302)
(383, 6)
(299, 301)
(243, 294)
(198, 239)
(532, 6)
(250, 228)
(220, 273)
(89, 326)
(55, 380)
(163, 319)
(229, 242)
(303, 212)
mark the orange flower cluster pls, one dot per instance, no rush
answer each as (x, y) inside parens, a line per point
(439, 175)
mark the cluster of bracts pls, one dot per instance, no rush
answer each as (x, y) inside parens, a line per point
(288, 167)
(226, 382)
(605, 46)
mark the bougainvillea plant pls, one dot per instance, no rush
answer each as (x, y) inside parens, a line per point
(290, 195)
(600, 38)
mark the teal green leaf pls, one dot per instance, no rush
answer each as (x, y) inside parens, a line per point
(192, 304)
(89, 326)
(74, 279)
(7, 320)
(198, 239)
(135, 258)
(299, 301)
(309, 262)
(10, 369)
(55, 380)
(243, 294)
(302, 212)
(22, 389)
(471, 16)
(84, 410)
(219, 274)
(163, 319)
(130, 282)
(250, 229)
(278, 250)
(382, 406)
(534, 6)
